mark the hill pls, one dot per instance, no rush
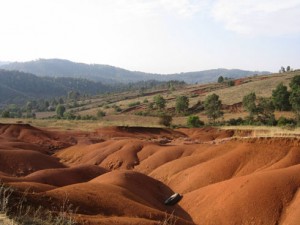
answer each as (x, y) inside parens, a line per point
(110, 74)
(17, 87)
(134, 107)
(3, 63)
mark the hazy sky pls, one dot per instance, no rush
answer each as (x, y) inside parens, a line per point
(162, 36)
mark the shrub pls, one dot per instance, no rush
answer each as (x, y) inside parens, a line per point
(165, 120)
(142, 113)
(117, 108)
(230, 83)
(88, 117)
(101, 114)
(283, 121)
(5, 114)
(236, 122)
(131, 104)
(69, 116)
(194, 121)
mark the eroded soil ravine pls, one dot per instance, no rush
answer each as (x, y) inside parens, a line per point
(121, 175)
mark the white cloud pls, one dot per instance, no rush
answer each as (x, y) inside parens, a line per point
(259, 17)
(183, 7)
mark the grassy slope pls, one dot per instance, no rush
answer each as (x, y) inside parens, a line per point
(261, 85)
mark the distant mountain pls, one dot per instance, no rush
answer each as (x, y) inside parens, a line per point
(3, 63)
(110, 74)
(18, 87)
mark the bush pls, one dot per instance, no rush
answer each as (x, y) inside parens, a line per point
(101, 114)
(117, 108)
(88, 117)
(142, 113)
(69, 116)
(194, 121)
(230, 83)
(134, 104)
(165, 120)
(236, 122)
(282, 121)
(5, 114)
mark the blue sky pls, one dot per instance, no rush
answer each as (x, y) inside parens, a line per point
(160, 36)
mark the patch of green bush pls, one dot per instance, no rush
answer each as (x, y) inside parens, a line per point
(194, 121)
(132, 104)
(165, 119)
(283, 121)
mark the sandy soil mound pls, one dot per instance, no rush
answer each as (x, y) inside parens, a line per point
(149, 191)
(117, 196)
(65, 176)
(31, 187)
(206, 134)
(138, 132)
(33, 135)
(23, 162)
(253, 199)
(122, 175)
(110, 154)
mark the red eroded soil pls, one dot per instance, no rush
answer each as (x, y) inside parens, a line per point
(123, 175)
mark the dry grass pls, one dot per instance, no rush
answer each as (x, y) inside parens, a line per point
(262, 88)
(264, 131)
(89, 125)
(14, 210)
(169, 219)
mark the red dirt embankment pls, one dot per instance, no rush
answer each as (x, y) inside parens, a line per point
(125, 177)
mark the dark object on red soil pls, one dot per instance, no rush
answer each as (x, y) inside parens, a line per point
(173, 199)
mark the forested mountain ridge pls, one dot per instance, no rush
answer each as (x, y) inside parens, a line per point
(111, 75)
(17, 87)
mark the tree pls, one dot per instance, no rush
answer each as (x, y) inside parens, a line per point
(280, 98)
(61, 101)
(295, 82)
(220, 79)
(249, 103)
(60, 109)
(295, 97)
(194, 121)
(295, 102)
(5, 114)
(182, 104)
(288, 68)
(265, 111)
(159, 102)
(212, 106)
(282, 69)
